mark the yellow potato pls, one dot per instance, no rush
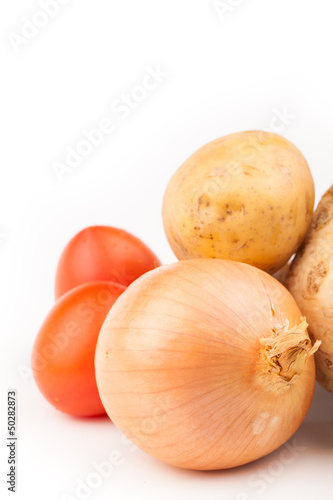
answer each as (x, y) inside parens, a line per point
(247, 197)
(310, 281)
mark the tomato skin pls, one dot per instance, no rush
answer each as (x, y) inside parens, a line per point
(64, 350)
(103, 253)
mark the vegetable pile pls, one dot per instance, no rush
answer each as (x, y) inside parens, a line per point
(205, 363)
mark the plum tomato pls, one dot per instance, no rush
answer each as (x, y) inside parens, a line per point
(103, 253)
(64, 350)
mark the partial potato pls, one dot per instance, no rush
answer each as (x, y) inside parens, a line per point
(310, 280)
(281, 274)
(246, 197)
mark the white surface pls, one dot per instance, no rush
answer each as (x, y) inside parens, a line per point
(225, 75)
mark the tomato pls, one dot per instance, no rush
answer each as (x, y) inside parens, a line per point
(103, 253)
(64, 350)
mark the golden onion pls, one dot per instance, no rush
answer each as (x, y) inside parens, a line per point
(206, 364)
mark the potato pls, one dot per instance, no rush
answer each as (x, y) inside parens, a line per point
(310, 280)
(281, 274)
(246, 197)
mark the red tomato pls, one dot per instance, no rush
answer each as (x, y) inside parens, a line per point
(103, 253)
(64, 350)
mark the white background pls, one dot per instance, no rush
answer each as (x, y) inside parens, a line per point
(225, 74)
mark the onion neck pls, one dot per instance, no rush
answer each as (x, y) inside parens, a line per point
(286, 352)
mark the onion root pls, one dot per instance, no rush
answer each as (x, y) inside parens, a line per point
(287, 351)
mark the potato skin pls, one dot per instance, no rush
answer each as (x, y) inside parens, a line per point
(247, 197)
(310, 281)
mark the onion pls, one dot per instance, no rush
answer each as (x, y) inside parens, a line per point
(206, 364)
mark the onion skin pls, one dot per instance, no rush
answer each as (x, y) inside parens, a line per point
(310, 280)
(181, 367)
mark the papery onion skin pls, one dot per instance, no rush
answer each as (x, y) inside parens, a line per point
(181, 370)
